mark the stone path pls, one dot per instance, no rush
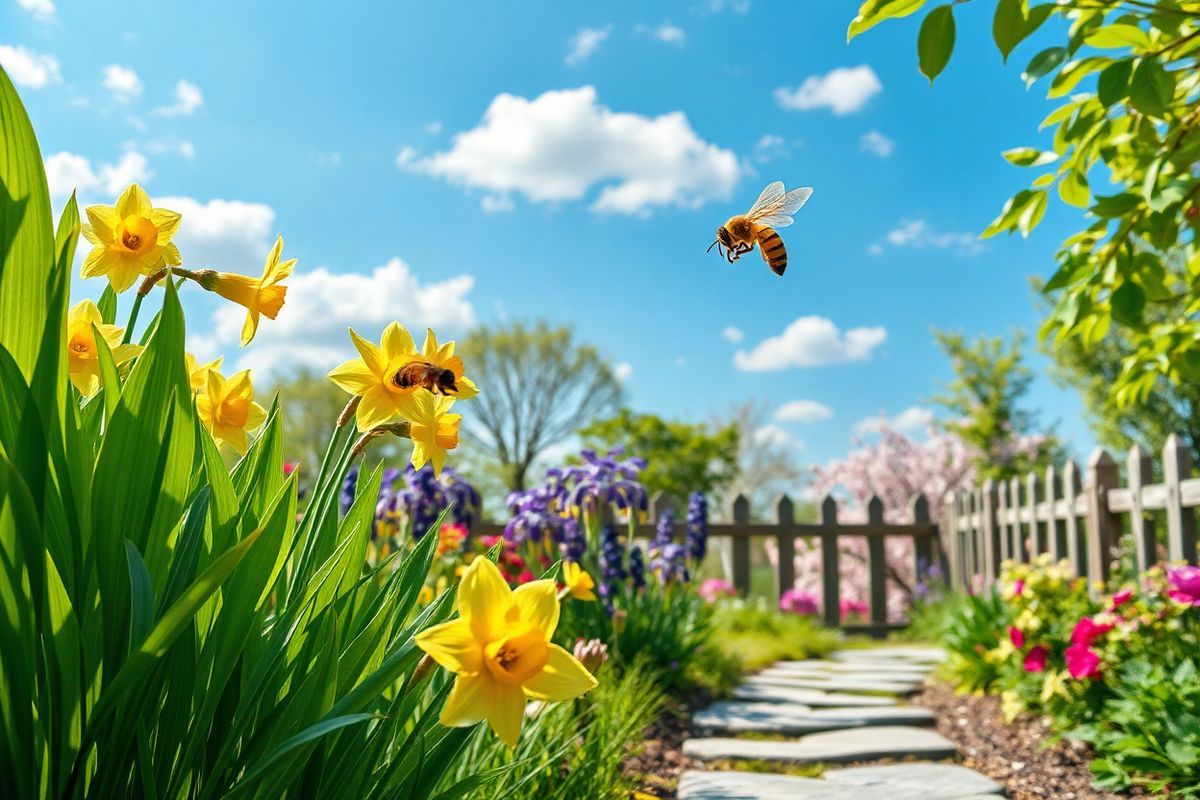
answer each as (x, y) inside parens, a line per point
(845, 710)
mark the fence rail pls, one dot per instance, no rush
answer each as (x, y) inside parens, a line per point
(1079, 517)
(785, 530)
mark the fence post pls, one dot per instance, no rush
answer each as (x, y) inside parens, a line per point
(1103, 526)
(660, 501)
(1181, 522)
(991, 534)
(877, 564)
(950, 525)
(1033, 496)
(831, 599)
(1016, 494)
(1071, 489)
(1145, 542)
(971, 538)
(1056, 529)
(1003, 525)
(741, 546)
(786, 544)
(923, 548)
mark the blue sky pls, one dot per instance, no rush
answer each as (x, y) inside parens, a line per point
(448, 164)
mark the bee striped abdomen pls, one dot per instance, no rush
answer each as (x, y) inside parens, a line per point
(773, 251)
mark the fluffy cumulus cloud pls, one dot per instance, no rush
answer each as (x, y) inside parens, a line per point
(920, 235)
(69, 172)
(670, 34)
(232, 235)
(123, 82)
(803, 411)
(843, 91)
(912, 420)
(41, 9)
(561, 144)
(876, 143)
(27, 68)
(188, 98)
(810, 342)
(321, 304)
(733, 334)
(585, 43)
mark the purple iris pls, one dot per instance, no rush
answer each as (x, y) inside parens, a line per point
(697, 527)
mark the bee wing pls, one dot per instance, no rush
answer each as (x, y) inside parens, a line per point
(769, 196)
(778, 212)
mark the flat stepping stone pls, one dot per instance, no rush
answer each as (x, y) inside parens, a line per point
(834, 684)
(912, 655)
(858, 744)
(698, 785)
(796, 720)
(881, 669)
(769, 693)
(936, 780)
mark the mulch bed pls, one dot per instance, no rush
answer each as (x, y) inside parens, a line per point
(1013, 754)
(659, 760)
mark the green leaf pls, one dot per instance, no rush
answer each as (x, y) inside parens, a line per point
(1009, 214)
(1151, 88)
(304, 737)
(1128, 301)
(935, 42)
(1113, 37)
(1113, 84)
(1073, 189)
(110, 379)
(1115, 205)
(1030, 156)
(873, 12)
(1043, 63)
(1033, 213)
(26, 233)
(1071, 74)
(1008, 25)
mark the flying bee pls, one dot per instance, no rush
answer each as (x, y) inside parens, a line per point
(422, 374)
(773, 209)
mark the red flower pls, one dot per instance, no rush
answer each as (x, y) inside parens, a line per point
(525, 577)
(290, 466)
(1121, 598)
(1082, 661)
(1035, 659)
(1087, 631)
(1016, 637)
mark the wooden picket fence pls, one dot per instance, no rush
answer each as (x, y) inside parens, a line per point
(1079, 517)
(742, 532)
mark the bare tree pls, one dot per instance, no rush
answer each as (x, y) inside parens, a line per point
(766, 465)
(538, 386)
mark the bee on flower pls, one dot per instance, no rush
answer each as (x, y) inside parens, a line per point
(129, 239)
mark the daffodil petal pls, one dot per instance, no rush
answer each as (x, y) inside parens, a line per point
(255, 417)
(376, 408)
(470, 701)
(430, 348)
(484, 599)
(273, 257)
(354, 377)
(507, 713)
(249, 327)
(239, 384)
(563, 678)
(125, 352)
(133, 200)
(452, 645)
(170, 256)
(104, 221)
(167, 223)
(234, 437)
(466, 388)
(122, 273)
(372, 356)
(537, 603)
(397, 342)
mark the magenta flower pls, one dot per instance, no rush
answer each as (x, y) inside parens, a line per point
(1016, 637)
(854, 608)
(1184, 585)
(1082, 661)
(714, 588)
(1121, 598)
(1035, 659)
(1087, 630)
(1018, 588)
(796, 601)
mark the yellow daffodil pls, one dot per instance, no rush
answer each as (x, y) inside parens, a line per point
(198, 373)
(228, 410)
(384, 376)
(130, 239)
(500, 649)
(83, 364)
(433, 430)
(578, 582)
(260, 296)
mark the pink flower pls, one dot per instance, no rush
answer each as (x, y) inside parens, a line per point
(488, 542)
(290, 466)
(854, 608)
(1087, 630)
(1082, 661)
(1184, 585)
(714, 588)
(1035, 659)
(1018, 588)
(525, 577)
(1121, 598)
(796, 601)
(1016, 637)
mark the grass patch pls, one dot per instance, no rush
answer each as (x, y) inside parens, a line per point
(816, 770)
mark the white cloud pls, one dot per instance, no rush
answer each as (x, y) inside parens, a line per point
(733, 334)
(123, 82)
(774, 435)
(585, 43)
(843, 91)
(912, 420)
(810, 342)
(770, 147)
(623, 371)
(320, 305)
(803, 411)
(407, 157)
(920, 235)
(560, 144)
(876, 143)
(188, 98)
(670, 34)
(231, 235)
(69, 172)
(875, 249)
(174, 146)
(27, 68)
(42, 10)
(497, 203)
(434, 128)
(717, 6)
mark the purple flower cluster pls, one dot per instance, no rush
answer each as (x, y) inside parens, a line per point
(612, 565)
(465, 502)
(668, 560)
(637, 568)
(534, 513)
(574, 543)
(603, 480)
(418, 499)
(697, 527)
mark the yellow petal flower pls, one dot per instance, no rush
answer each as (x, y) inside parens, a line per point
(578, 582)
(227, 409)
(198, 373)
(433, 429)
(83, 364)
(500, 649)
(129, 239)
(259, 296)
